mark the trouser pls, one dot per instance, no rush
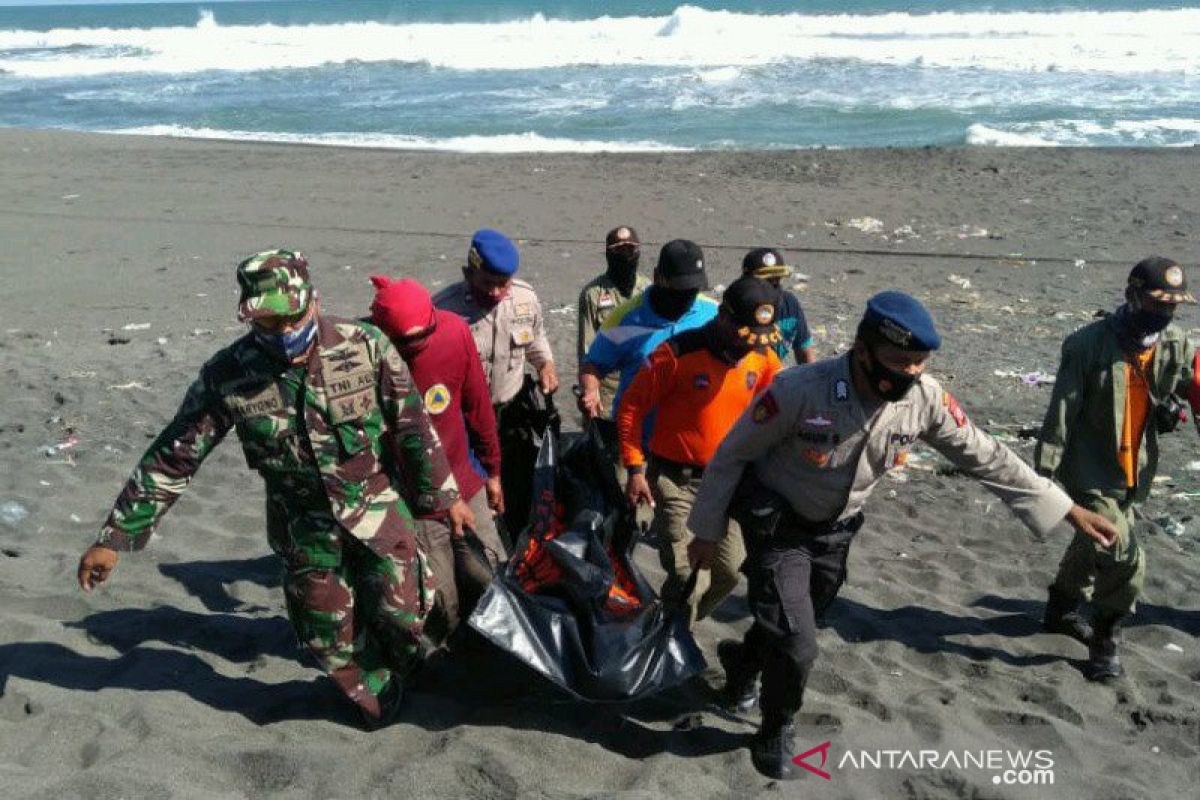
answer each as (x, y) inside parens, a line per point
(472, 565)
(674, 487)
(794, 569)
(358, 613)
(517, 457)
(1112, 578)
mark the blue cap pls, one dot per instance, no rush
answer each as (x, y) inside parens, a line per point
(902, 320)
(493, 251)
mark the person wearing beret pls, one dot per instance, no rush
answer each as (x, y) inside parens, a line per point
(1118, 387)
(795, 471)
(509, 330)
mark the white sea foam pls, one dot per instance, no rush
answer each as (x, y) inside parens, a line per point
(1165, 132)
(501, 143)
(1087, 41)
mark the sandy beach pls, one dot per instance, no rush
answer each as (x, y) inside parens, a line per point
(181, 678)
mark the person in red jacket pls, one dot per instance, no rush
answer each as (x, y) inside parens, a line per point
(696, 385)
(440, 352)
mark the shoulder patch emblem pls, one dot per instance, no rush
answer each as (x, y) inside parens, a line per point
(765, 409)
(954, 409)
(818, 458)
(841, 391)
(437, 398)
(818, 421)
(751, 380)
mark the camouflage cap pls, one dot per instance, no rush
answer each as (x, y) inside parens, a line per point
(274, 284)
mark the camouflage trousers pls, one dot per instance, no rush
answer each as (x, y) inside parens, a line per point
(358, 613)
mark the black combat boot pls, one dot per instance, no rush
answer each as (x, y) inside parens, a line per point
(1063, 616)
(390, 701)
(1103, 664)
(773, 748)
(740, 694)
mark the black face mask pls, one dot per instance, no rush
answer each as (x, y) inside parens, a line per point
(886, 383)
(410, 346)
(1143, 323)
(724, 342)
(622, 269)
(672, 303)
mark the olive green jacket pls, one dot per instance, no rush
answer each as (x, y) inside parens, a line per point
(1081, 435)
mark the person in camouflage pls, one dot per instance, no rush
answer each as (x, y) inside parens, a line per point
(329, 417)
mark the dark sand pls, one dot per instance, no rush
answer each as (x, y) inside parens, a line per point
(180, 678)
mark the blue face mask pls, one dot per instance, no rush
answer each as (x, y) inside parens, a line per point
(292, 345)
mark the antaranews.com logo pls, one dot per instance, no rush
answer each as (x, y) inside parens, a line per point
(1008, 767)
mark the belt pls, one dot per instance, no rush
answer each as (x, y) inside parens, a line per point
(677, 467)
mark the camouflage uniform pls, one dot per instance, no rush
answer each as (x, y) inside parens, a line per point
(331, 438)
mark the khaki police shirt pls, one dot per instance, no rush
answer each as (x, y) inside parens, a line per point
(597, 299)
(811, 439)
(506, 336)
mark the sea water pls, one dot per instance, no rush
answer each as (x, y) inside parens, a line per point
(573, 75)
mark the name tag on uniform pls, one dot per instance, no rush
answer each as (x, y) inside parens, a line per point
(522, 336)
(255, 403)
(349, 383)
(523, 310)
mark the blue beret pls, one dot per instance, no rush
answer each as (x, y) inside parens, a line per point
(492, 251)
(902, 320)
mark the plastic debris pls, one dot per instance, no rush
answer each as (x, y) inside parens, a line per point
(800, 277)
(568, 309)
(13, 513)
(62, 447)
(961, 282)
(1193, 466)
(866, 224)
(75, 518)
(1035, 378)
(136, 326)
(1171, 527)
(130, 385)
(1174, 648)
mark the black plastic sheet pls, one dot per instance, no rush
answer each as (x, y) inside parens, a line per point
(594, 641)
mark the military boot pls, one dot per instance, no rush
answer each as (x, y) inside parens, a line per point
(740, 694)
(1063, 616)
(390, 701)
(1103, 664)
(773, 748)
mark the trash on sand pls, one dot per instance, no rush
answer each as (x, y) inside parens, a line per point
(13, 513)
(1174, 648)
(568, 309)
(75, 518)
(1079, 262)
(961, 282)
(866, 224)
(114, 339)
(1194, 466)
(63, 446)
(130, 385)
(972, 232)
(136, 326)
(799, 277)
(1035, 378)
(1171, 527)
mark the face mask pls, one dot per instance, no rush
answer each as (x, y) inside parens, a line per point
(289, 346)
(482, 297)
(725, 342)
(672, 303)
(886, 383)
(1144, 323)
(622, 268)
(410, 346)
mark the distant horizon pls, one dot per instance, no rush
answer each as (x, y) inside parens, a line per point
(20, 3)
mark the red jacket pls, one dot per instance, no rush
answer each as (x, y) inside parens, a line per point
(449, 374)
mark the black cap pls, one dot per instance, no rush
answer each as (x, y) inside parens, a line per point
(622, 236)
(681, 266)
(765, 263)
(1162, 279)
(753, 304)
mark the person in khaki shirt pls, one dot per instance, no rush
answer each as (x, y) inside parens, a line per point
(795, 471)
(616, 285)
(506, 322)
(1112, 399)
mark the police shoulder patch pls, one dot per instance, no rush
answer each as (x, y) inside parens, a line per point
(437, 398)
(954, 409)
(765, 409)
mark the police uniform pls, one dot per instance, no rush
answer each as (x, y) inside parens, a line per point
(507, 336)
(795, 472)
(333, 437)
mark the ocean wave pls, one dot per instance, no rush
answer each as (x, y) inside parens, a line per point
(1165, 132)
(500, 143)
(1081, 41)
